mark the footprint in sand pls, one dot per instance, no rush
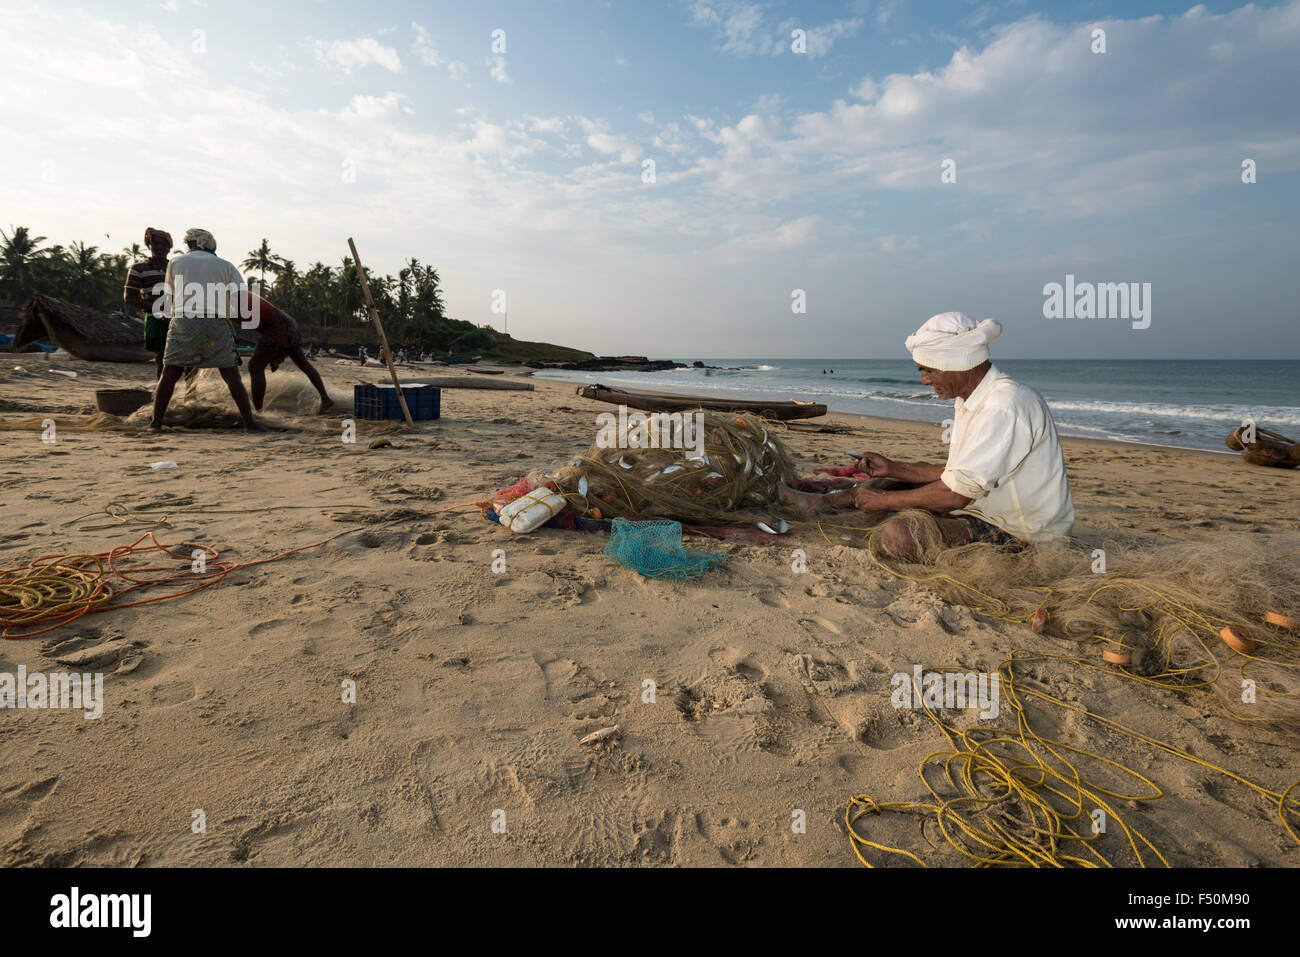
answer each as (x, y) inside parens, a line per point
(738, 661)
(97, 650)
(830, 626)
(867, 720)
(21, 797)
(168, 693)
(773, 599)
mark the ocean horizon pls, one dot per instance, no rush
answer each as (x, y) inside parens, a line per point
(1178, 403)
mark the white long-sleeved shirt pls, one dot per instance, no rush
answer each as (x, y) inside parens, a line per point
(1005, 456)
(201, 283)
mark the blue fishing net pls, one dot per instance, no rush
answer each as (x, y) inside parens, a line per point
(654, 549)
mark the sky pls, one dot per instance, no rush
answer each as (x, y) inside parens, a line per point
(666, 178)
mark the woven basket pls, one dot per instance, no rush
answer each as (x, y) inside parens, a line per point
(121, 401)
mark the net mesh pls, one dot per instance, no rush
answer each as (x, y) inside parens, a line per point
(654, 549)
(1163, 605)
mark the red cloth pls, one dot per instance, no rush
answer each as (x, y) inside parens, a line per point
(847, 471)
(507, 495)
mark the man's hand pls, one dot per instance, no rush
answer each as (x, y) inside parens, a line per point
(870, 499)
(875, 465)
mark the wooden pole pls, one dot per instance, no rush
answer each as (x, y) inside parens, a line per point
(383, 339)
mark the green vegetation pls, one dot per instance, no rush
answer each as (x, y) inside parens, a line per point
(326, 300)
(79, 273)
(506, 349)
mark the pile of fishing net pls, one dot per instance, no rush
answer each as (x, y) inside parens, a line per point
(1191, 616)
(740, 465)
(204, 401)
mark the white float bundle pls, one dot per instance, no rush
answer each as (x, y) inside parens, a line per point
(532, 510)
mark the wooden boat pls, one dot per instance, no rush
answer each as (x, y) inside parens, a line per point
(668, 402)
(465, 382)
(84, 333)
(486, 371)
(464, 357)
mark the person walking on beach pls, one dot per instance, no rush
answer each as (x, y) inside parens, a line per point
(204, 292)
(143, 289)
(278, 338)
(1004, 481)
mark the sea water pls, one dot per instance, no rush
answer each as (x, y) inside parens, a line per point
(1188, 403)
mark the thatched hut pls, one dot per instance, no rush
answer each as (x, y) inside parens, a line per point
(85, 333)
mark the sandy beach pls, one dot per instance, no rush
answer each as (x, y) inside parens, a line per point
(771, 687)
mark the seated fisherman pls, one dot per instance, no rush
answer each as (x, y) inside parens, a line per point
(204, 293)
(142, 279)
(278, 338)
(1004, 481)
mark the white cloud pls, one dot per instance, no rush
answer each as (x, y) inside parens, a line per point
(426, 52)
(609, 144)
(741, 28)
(821, 39)
(545, 124)
(745, 29)
(777, 239)
(497, 69)
(372, 106)
(349, 55)
(422, 47)
(1036, 117)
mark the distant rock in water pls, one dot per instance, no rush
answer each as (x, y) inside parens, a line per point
(612, 364)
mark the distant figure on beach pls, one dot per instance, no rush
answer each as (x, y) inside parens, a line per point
(278, 338)
(142, 279)
(204, 295)
(1004, 481)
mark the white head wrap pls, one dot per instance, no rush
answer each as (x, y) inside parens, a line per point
(200, 239)
(953, 342)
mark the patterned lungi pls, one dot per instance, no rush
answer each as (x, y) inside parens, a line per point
(200, 342)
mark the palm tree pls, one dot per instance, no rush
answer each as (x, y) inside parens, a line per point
(82, 272)
(135, 253)
(263, 260)
(318, 294)
(20, 257)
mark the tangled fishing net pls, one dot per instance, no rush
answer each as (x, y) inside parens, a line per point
(205, 401)
(740, 465)
(1161, 610)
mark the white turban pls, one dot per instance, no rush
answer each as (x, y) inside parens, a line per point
(953, 342)
(200, 239)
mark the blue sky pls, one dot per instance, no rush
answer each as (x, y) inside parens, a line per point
(397, 124)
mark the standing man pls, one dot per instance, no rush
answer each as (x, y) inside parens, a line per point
(205, 293)
(144, 287)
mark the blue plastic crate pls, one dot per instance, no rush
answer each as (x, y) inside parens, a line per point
(380, 402)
